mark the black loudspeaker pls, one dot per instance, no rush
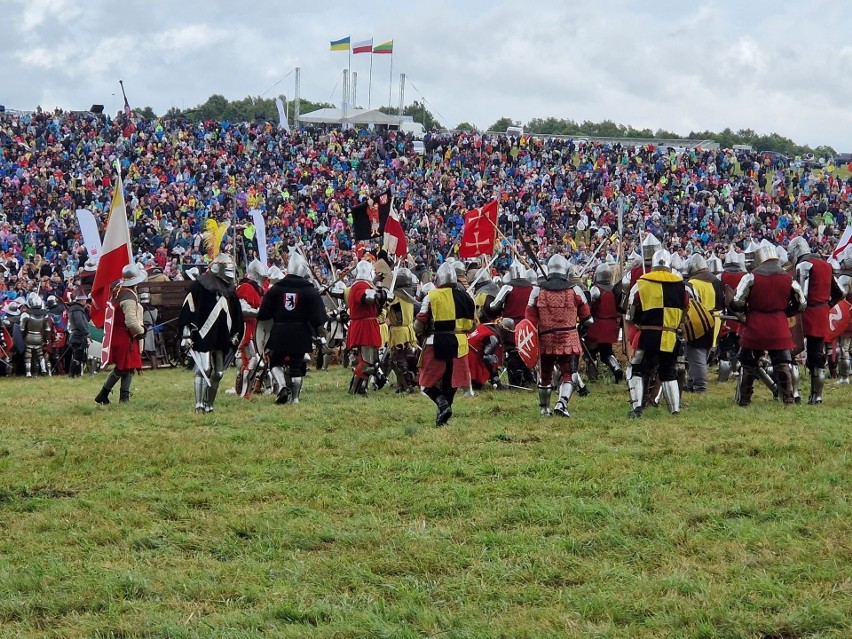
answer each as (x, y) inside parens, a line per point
(2, 109)
(97, 108)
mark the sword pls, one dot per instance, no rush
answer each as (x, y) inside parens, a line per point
(197, 359)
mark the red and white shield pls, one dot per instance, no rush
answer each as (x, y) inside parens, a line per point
(838, 320)
(109, 324)
(526, 340)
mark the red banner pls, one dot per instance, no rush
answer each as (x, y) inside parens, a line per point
(479, 232)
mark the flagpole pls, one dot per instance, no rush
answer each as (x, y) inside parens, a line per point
(370, 81)
(390, 84)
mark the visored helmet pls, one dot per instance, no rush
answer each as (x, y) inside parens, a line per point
(298, 265)
(531, 275)
(364, 271)
(695, 263)
(797, 248)
(764, 253)
(734, 260)
(517, 270)
(275, 275)
(224, 268)
(446, 275)
(650, 245)
(662, 259)
(750, 250)
(558, 265)
(603, 274)
(34, 301)
(256, 271)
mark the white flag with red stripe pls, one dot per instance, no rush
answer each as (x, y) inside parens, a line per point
(395, 242)
(117, 253)
(845, 240)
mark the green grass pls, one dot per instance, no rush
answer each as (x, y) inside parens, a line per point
(351, 517)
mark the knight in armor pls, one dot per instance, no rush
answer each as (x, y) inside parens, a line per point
(485, 290)
(603, 333)
(150, 315)
(486, 351)
(34, 327)
(78, 332)
(844, 342)
(15, 346)
(291, 317)
(125, 333)
(366, 303)
(705, 288)
(511, 302)
(211, 322)
(815, 276)
(402, 342)
(729, 333)
(555, 308)
(446, 317)
(250, 293)
(656, 305)
(768, 296)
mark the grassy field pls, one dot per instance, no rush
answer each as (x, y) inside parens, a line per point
(352, 517)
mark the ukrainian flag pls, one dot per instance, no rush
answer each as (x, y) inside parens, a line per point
(340, 45)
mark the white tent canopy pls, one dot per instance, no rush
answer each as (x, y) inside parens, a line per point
(353, 116)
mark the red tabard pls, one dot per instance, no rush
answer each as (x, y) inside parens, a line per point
(605, 328)
(363, 322)
(815, 317)
(476, 343)
(516, 302)
(558, 310)
(125, 351)
(250, 292)
(767, 328)
(732, 279)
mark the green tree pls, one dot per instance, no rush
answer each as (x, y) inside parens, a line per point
(465, 126)
(418, 112)
(146, 112)
(502, 124)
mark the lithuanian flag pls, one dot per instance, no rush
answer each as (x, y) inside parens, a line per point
(340, 45)
(384, 47)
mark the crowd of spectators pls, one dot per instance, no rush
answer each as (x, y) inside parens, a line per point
(563, 195)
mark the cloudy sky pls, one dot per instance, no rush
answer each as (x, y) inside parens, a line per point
(782, 66)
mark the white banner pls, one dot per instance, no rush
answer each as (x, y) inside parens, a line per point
(282, 116)
(260, 236)
(89, 228)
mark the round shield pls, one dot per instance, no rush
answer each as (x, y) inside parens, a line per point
(526, 340)
(838, 320)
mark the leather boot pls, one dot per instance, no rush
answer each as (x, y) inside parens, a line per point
(745, 386)
(444, 410)
(103, 397)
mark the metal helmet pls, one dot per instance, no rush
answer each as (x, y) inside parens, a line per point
(845, 260)
(364, 271)
(298, 265)
(662, 259)
(133, 274)
(275, 275)
(460, 269)
(405, 278)
(749, 251)
(52, 301)
(192, 273)
(257, 271)
(797, 248)
(34, 301)
(338, 288)
(734, 260)
(224, 268)
(507, 277)
(764, 253)
(516, 270)
(531, 275)
(446, 275)
(603, 274)
(781, 252)
(650, 245)
(508, 324)
(634, 259)
(714, 264)
(678, 263)
(695, 263)
(558, 265)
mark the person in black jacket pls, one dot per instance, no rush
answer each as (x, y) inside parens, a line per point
(291, 315)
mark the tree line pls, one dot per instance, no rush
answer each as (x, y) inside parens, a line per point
(217, 107)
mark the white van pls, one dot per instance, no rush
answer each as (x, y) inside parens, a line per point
(515, 131)
(413, 128)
